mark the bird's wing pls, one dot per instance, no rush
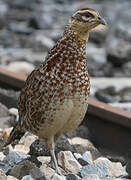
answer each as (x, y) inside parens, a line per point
(41, 88)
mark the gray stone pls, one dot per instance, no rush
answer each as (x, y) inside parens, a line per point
(113, 178)
(72, 177)
(67, 161)
(124, 106)
(102, 96)
(27, 177)
(45, 166)
(119, 53)
(42, 43)
(25, 168)
(3, 111)
(82, 145)
(12, 159)
(100, 169)
(2, 156)
(58, 177)
(2, 175)
(125, 94)
(95, 54)
(80, 159)
(41, 20)
(91, 177)
(63, 144)
(22, 4)
(26, 53)
(88, 157)
(115, 169)
(5, 122)
(20, 28)
(8, 97)
(117, 83)
(123, 31)
(15, 157)
(81, 131)
(127, 69)
(38, 148)
(36, 173)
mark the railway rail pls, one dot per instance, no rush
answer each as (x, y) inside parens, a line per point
(110, 127)
(96, 108)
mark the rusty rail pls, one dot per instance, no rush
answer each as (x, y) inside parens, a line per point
(11, 79)
(96, 108)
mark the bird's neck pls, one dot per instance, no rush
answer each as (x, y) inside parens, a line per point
(81, 33)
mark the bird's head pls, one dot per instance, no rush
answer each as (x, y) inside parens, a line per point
(85, 20)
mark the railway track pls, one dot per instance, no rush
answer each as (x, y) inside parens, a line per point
(109, 127)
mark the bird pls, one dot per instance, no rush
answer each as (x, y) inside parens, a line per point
(54, 99)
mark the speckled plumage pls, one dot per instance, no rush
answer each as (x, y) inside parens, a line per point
(57, 90)
(54, 99)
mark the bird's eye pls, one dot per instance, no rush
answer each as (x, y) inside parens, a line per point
(87, 14)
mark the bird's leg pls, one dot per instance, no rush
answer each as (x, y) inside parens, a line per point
(50, 144)
(53, 158)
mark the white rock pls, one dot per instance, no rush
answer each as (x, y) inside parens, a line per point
(125, 106)
(91, 177)
(24, 68)
(115, 169)
(58, 177)
(11, 178)
(68, 162)
(28, 139)
(44, 159)
(118, 83)
(21, 148)
(88, 157)
(2, 156)
(13, 111)
(45, 167)
(77, 156)
(27, 177)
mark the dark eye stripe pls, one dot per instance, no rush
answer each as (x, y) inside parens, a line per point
(86, 14)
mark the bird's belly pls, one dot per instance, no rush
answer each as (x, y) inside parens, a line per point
(79, 109)
(65, 118)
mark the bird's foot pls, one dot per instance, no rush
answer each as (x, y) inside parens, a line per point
(54, 162)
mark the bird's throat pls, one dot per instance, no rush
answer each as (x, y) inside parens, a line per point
(81, 32)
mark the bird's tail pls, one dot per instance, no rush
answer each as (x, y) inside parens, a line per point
(15, 135)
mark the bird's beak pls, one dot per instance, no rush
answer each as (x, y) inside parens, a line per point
(101, 21)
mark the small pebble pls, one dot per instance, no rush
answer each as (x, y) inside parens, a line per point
(68, 162)
(2, 175)
(91, 177)
(27, 177)
(58, 177)
(11, 178)
(2, 156)
(72, 177)
(88, 157)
